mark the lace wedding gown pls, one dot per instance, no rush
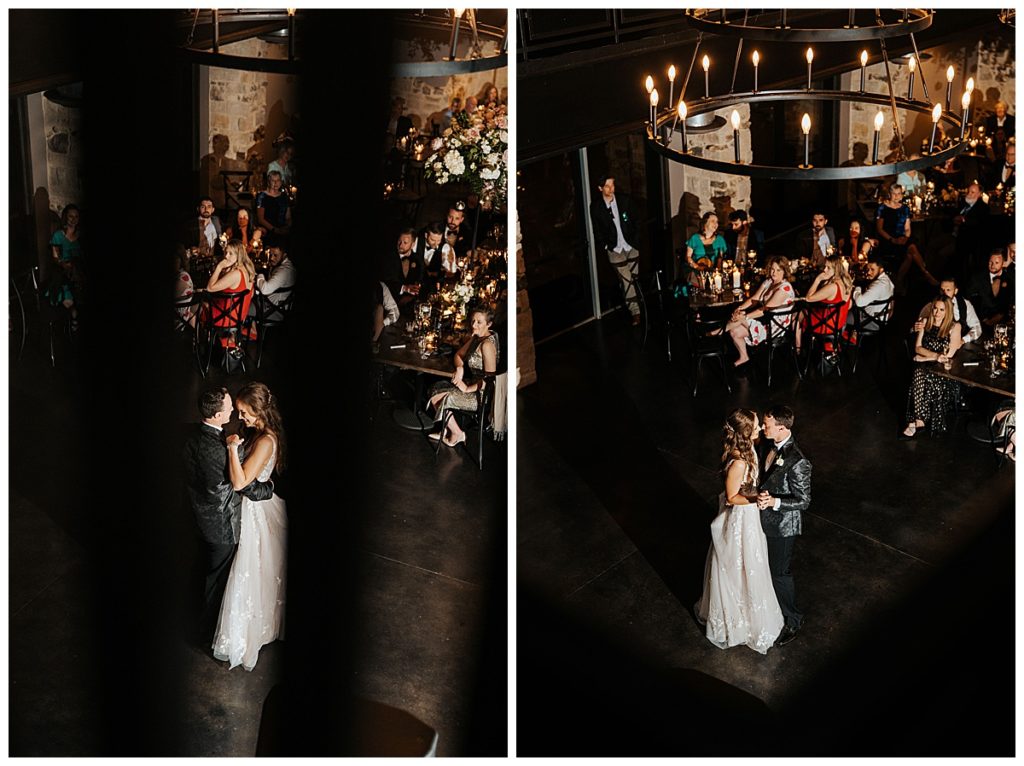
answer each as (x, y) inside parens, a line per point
(252, 613)
(739, 604)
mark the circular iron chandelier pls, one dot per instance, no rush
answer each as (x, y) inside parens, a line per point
(462, 39)
(661, 126)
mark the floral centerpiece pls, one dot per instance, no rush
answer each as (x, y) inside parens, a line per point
(475, 150)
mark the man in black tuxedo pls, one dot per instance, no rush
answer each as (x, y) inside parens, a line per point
(615, 233)
(1005, 172)
(1001, 127)
(992, 291)
(436, 255)
(784, 493)
(457, 232)
(402, 272)
(970, 229)
(218, 508)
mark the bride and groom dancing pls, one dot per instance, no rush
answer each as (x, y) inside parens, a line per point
(242, 521)
(748, 593)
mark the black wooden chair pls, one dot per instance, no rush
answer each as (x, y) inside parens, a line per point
(780, 328)
(55, 318)
(221, 324)
(185, 315)
(272, 310)
(869, 321)
(707, 340)
(823, 330)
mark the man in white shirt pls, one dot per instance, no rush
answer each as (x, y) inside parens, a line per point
(614, 229)
(879, 289)
(963, 312)
(282, 276)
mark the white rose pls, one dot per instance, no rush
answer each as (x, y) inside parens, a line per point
(436, 144)
(485, 147)
(455, 164)
(503, 136)
(437, 166)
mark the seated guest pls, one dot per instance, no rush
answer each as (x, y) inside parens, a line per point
(478, 354)
(403, 273)
(970, 228)
(183, 287)
(385, 310)
(281, 276)
(273, 213)
(233, 274)
(931, 396)
(66, 252)
(991, 291)
(741, 235)
(1004, 172)
(204, 230)
(1004, 428)
(1000, 126)
(1010, 267)
(831, 287)
(285, 147)
(774, 293)
(896, 247)
(813, 245)
(880, 288)
(436, 255)
(705, 247)
(456, 231)
(243, 229)
(912, 181)
(963, 312)
(855, 243)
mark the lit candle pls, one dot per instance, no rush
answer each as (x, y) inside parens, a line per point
(970, 91)
(671, 83)
(718, 281)
(912, 65)
(950, 74)
(736, 133)
(936, 113)
(681, 116)
(706, 63)
(291, 33)
(863, 69)
(805, 124)
(850, 24)
(757, 60)
(810, 58)
(965, 102)
(735, 277)
(649, 84)
(654, 112)
(879, 119)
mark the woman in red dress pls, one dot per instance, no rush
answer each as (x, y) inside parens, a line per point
(833, 285)
(234, 274)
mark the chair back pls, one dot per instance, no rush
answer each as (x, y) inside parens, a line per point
(823, 319)
(706, 335)
(872, 318)
(780, 324)
(224, 312)
(273, 308)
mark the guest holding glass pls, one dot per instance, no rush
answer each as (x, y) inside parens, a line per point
(932, 397)
(706, 246)
(833, 286)
(775, 292)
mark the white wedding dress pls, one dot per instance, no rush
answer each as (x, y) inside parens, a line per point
(252, 613)
(739, 605)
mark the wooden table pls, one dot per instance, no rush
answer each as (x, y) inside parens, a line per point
(977, 376)
(408, 357)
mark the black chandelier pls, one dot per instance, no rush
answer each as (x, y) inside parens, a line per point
(662, 125)
(458, 33)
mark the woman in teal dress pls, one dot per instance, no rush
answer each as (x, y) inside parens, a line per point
(67, 249)
(705, 247)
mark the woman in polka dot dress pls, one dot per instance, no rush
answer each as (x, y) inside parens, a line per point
(932, 397)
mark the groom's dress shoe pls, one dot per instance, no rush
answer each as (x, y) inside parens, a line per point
(788, 634)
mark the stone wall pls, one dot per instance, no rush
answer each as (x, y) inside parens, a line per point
(425, 96)
(63, 130)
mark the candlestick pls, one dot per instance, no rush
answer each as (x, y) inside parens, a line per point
(681, 114)
(805, 124)
(850, 24)
(736, 133)
(706, 63)
(965, 102)
(912, 65)
(671, 84)
(654, 112)
(863, 68)
(757, 59)
(784, 24)
(810, 58)
(718, 281)
(735, 277)
(455, 32)
(879, 119)
(950, 74)
(936, 112)
(291, 34)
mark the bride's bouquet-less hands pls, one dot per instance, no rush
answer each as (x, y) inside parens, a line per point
(475, 150)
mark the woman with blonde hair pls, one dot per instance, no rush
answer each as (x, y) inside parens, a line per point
(252, 613)
(832, 286)
(738, 604)
(234, 274)
(931, 397)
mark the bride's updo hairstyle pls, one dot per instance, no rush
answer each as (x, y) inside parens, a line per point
(264, 406)
(739, 437)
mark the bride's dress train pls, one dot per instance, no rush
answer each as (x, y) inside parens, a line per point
(252, 613)
(739, 604)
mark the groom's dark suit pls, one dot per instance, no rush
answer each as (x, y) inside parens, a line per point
(218, 509)
(788, 478)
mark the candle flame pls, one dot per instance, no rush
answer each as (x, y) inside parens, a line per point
(706, 62)
(970, 85)
(912, 63)
(735, 120)
(681, 109)
(810, 55)
(672, 73)
(458, 11)
(966, 100)
(805, 123)
(950, 73)
(654, 97)
(756, 57)
(291, 11)
(863, 58)
(879, 119)
(649, 84)
(936, 112)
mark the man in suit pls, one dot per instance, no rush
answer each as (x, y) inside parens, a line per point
(402, 272)
(615, 233)
(1001, 127)
(281, 277)
(970, 229)
(456, 231)
(217, 507)
(992, 291)
(204, 229)
(784, 493)
(815, 243)
(741, 235)
(1005, 172)
(436, 255)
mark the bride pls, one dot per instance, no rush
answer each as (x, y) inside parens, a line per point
(739, 605)
(252, 613)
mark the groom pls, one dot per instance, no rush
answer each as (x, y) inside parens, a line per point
(218, 508)
(784, 491)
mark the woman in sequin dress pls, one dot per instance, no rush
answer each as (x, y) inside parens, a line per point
(931, 396)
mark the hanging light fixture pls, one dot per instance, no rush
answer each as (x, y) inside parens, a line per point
(889, 23)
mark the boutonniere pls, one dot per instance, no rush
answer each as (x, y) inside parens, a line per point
(625, 216)
(412, 264)
(780, 462)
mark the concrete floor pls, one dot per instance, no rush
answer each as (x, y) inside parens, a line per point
(907, 552)
(424, 632)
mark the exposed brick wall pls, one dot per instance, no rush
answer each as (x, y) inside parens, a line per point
(64, 156)
(425, 96)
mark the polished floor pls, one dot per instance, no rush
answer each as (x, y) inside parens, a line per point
(904, 570)
(427, 632)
